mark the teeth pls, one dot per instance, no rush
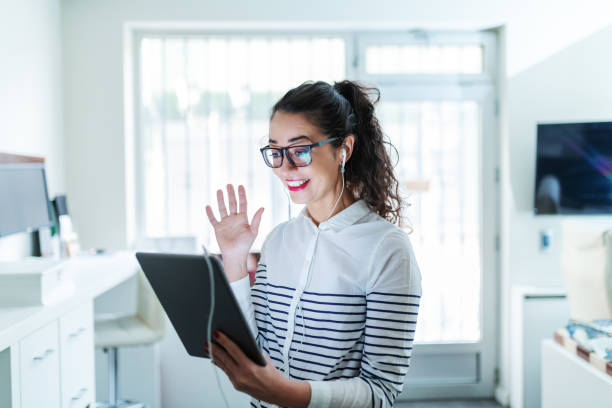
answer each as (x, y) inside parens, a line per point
(297, 183)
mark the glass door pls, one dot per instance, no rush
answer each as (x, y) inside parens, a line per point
(438, 109)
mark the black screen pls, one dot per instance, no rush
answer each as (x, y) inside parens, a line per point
(574, 168)
(24, 202)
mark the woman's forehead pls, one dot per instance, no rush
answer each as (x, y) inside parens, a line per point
(288, 128)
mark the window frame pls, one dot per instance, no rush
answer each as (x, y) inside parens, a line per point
(356, 41)
(421, 37)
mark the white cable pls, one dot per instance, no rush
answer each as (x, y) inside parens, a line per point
(211, 312)
(310, 278)
(288, 198)
(288, 204)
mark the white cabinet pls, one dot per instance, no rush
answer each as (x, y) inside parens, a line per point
(536, 314)
(56, 362)
(569, 382)
(39, 367)
(47, 352)
(77, 357)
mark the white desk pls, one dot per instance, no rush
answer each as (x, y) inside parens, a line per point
(569, 382)
(67, 327)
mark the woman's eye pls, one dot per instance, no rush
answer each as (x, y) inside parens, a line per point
(275, 154)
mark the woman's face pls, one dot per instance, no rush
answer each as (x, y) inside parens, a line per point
(317, 182)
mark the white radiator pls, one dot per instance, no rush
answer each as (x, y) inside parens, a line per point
(535, 315)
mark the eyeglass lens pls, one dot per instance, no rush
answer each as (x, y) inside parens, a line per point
(299, 156)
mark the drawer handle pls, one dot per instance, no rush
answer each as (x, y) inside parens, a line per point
(76, 333)
(80, 395)
(41, 357)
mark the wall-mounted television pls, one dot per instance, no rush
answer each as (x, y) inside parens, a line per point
(24, 201)
(574, 168)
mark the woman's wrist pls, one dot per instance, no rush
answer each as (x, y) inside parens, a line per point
(293, 394)
(235, 267)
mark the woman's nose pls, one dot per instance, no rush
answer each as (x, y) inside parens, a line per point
(286, 165)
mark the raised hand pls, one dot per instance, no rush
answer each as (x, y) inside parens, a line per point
(233, 232)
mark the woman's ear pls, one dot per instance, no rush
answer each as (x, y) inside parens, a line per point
(347, 146)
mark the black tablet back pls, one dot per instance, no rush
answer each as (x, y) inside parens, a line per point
(181, 283)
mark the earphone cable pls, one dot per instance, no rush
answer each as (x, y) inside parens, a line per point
(310, 278)
(211, 312)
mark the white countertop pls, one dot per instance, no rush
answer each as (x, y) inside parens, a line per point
(92, 275)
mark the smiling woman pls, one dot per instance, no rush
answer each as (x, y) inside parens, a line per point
(337, 289)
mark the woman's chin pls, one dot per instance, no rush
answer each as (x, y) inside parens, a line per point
(298, 200)
(297, 197)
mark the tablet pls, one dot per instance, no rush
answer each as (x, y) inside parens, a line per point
(181, 283)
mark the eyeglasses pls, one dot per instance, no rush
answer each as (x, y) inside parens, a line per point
(298, 156)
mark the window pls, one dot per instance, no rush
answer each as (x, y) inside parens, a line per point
(205, 103)
(424, 59)
(439, 173)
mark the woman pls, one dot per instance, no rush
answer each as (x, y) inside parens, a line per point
(335, 300)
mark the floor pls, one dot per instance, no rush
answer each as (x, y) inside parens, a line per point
(465, 403)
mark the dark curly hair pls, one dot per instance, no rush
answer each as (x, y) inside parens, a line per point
(346, 108)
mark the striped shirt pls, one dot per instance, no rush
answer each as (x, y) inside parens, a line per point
(336, 305)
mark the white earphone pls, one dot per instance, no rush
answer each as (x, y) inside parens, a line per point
(343, 159)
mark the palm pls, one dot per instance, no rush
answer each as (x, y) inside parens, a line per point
(233, 232)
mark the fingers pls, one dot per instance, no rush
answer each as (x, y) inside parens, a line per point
(231, 197)
(221, 204)
(233, 350)
(268, 361)
(207, 351)
(211, 216)
(221, 366)
(222, 358)
(233, 208)
(256, 220)
(242, 199)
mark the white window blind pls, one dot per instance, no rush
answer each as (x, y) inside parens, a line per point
(439, 172)
(204, 114)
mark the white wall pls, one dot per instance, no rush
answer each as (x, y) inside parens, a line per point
(573, 85)
(554, 58)
(30, 93)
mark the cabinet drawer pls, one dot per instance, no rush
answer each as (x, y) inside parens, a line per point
(39, 366)
(77, 357)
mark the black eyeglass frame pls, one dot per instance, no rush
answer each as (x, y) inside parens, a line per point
(284, 152)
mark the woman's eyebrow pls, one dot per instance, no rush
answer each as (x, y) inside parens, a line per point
(295, 139)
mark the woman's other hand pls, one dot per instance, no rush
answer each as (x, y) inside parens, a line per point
(262, 383)
(233, 232)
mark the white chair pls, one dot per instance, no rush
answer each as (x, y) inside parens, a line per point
(145, 327)
(586, 261)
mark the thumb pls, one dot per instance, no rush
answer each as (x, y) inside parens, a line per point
(256, 220)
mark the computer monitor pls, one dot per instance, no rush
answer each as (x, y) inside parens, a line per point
(24, 201)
